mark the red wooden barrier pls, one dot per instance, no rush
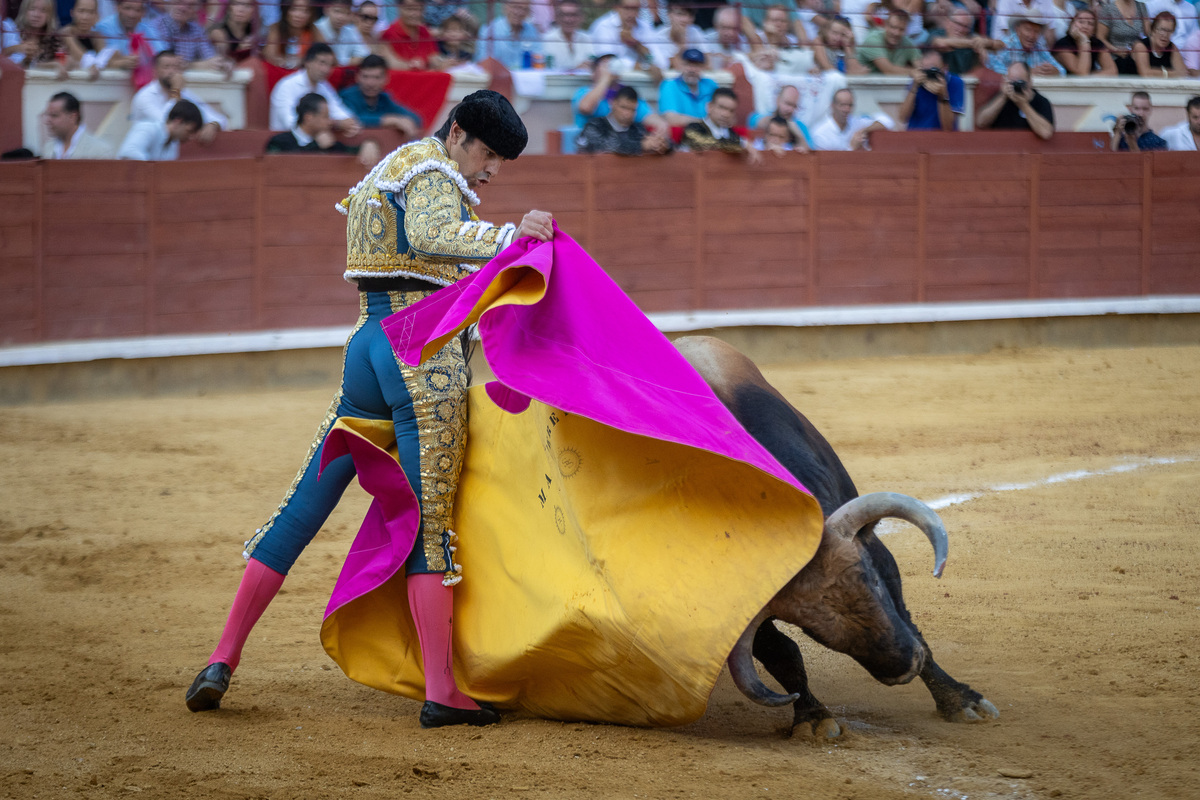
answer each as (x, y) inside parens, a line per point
(104, 248)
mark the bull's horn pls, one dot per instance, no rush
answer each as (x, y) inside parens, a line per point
(745, 676)
(848, 520)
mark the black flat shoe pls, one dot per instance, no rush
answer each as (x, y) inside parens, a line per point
(209, 687)
(436, 715)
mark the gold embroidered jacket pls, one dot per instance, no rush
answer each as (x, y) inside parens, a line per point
(412, 216)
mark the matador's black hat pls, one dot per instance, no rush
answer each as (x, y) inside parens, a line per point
(488, 116)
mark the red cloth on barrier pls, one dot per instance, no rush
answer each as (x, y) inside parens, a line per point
(422, 91)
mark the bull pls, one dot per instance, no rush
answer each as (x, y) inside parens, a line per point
(848, 597)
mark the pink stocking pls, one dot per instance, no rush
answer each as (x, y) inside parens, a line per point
(259, 586)
(432, 606)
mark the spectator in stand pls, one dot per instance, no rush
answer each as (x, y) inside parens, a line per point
(127, 31)
(787, 108)
(842, 129)
(1007, 12)
(178, 30)
(314, 77)
(1122, 23)
(313, 133)
(593, 101)
(1185, 14)
(566, 46)
(1185, 135)
(372, 105)
(619, 132)
(888, 50)
(728, 39)
(289, 39)
(1017, 106)
(779, 138)
(152, 102)
(412, 43)
(366, 18)
(1026, 45)
(237, 32)
(1191, 54)
(622, 32)
(878, 13)
(1131, 132)
(678, 34)
(512, 39)
(33, 39)
(339, 32)
(834, 49)
(159, 140)
(715, 131)
(1157, 56)
(682, 100)
(85, 46)
(70, 138)
(1080, 52)
(963, 50)
(456, 43)
(934, 100)
(777, 29)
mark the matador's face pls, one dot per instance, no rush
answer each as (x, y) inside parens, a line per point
(477, 162)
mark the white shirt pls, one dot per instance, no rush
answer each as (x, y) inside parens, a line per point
(1185, 18)
(302, 138)
(1179, 137)
(665, 48)
(152, 104)
(287, 94)
(82, 145)
(148, 141)
(723, 57)
(826, 135)
(567, 56)
(347, 43)
(1037, 10)
(606, 38)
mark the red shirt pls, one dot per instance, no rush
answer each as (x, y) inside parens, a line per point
(409, 48)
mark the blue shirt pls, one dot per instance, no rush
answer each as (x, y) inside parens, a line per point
(1013, 52)
(603, 108)
(370, 117)
(674, 95)
(925, 106)
(755, 118)
(110, 29)
(498, 41)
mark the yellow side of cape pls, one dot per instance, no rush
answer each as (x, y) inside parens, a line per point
(606, 576)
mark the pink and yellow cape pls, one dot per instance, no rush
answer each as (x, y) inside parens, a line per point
(618, 529)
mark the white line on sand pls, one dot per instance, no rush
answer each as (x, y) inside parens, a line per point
(1129, 465)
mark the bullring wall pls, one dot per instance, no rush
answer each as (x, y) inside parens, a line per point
(111, 249)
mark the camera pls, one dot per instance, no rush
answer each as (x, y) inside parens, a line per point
(1019, 86)
(1130, 123)
(932, 74)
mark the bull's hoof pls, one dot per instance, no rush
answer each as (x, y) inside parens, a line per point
(826, 728)
(976, 711)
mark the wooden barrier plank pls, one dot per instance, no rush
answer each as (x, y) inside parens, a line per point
(971, 271)
(314, 316)
(769, 246)
(1111, 266)
(95, 176)
(648, 195)
(66, 326)
(1086, 167)
(1089, 240)
(96, 269)
(609, 169)
(199, 176)
(756, 273)
(1175, 188)
(756, 221)
(876, 167)
(978, 194)
(554, 196)
(66, 237)
(982, 245)
(938, 293)
(19, 178)
(982, 170)
(882, 246)
(204, 265)
(1124, 217)
(1011, 219)
(299, 291)
(119, 207)
(16, 242)
(202, 206)
(305, 229)
(840, 218)
(622, 223)
(231, 295)
(856, 295)
(299, 260)
(308, 170)
(280, 199)
(204, 321)
(1098, 192)
(652, 276)
(725, 194)
(211, 235)
(1174, 165)
(16, 210)
(1083, 287)
(883, 193)
(866, 273)
(764, 297)
(17, 331)
(17, 272)
(663, 300)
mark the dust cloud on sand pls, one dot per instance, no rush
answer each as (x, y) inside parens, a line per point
(1073, 606)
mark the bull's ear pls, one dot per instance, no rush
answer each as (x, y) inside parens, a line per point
(847, 521)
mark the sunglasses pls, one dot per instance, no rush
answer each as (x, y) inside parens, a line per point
(372, 17)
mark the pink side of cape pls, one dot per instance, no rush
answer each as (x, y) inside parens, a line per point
(585, 348)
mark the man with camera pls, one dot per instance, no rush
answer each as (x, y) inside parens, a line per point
(935, 98)
(1131, 132)
(1017, 106)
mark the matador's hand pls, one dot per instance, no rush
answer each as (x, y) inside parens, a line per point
(538, 224)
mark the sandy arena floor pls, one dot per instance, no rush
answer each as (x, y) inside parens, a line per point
(1074, 606)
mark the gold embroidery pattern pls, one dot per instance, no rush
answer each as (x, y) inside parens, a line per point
(434, 218)
(322, 430)
(438, 389)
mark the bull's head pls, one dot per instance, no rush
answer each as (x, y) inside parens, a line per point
(848, 602)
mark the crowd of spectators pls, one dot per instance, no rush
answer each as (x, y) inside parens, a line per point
(795, 55)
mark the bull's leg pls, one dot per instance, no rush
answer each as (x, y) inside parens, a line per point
(781, 657)
(956, 701)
